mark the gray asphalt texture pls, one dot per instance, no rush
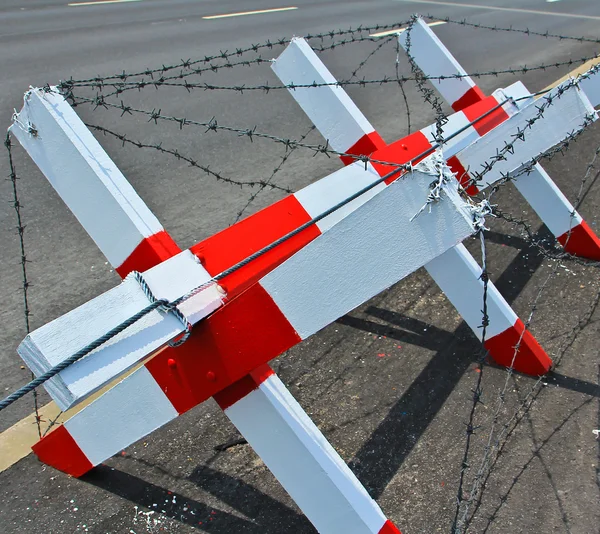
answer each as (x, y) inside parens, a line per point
(390, 385)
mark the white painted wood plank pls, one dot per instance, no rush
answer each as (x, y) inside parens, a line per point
(83, 175)
(51, 344)
(548, 201)
(459, 276)
(591, 87)
(566, 115)
(304, 462)
(369, 250)
(134, 408)
(434, 59)
(329, 191)
(329, 107)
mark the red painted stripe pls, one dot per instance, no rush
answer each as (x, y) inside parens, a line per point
(478, 109)
(239, 241)
(472, 96)
(150, 252)
(462, 175)
(366, 145)
(249, 330)
(244, 334)
(238, 390)
(531, 358)
(389, 528)
(399, 153)
(218, 253)
(59, 450)
(582, 241)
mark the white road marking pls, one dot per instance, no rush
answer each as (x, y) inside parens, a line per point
(400, 30)
(495, 8)
(242, 13)
(100, 2)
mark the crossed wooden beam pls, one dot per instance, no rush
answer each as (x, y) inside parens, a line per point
(336, 260)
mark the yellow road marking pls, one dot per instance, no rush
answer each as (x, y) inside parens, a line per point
(98, 2)
(243, 13)
(16, 442)
(400, 30)
(509, 9)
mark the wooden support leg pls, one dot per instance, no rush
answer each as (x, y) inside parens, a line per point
(459, 276)
(300, 457)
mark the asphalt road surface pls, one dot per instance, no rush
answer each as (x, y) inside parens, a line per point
(397, 419)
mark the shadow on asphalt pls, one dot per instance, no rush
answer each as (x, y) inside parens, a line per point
(264, 513)
(382, 455)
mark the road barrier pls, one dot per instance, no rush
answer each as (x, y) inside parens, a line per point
(228, 305)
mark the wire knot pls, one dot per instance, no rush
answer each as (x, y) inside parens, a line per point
(166, 307)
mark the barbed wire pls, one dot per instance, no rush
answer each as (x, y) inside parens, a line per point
(495, 443)
(187, 64)
(462, 504)
(477, 390)
(187, 68)
(192, 162)
(213, 125)
(67, 87)
(289, 149)
(16, 204)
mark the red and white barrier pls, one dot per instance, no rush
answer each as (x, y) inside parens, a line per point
(536, 186)
(115, 419)
(265, 220)
(308, 288)
(364, 253)
(170, 375)
(332, 273)
(535, 143)
(455, 271)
